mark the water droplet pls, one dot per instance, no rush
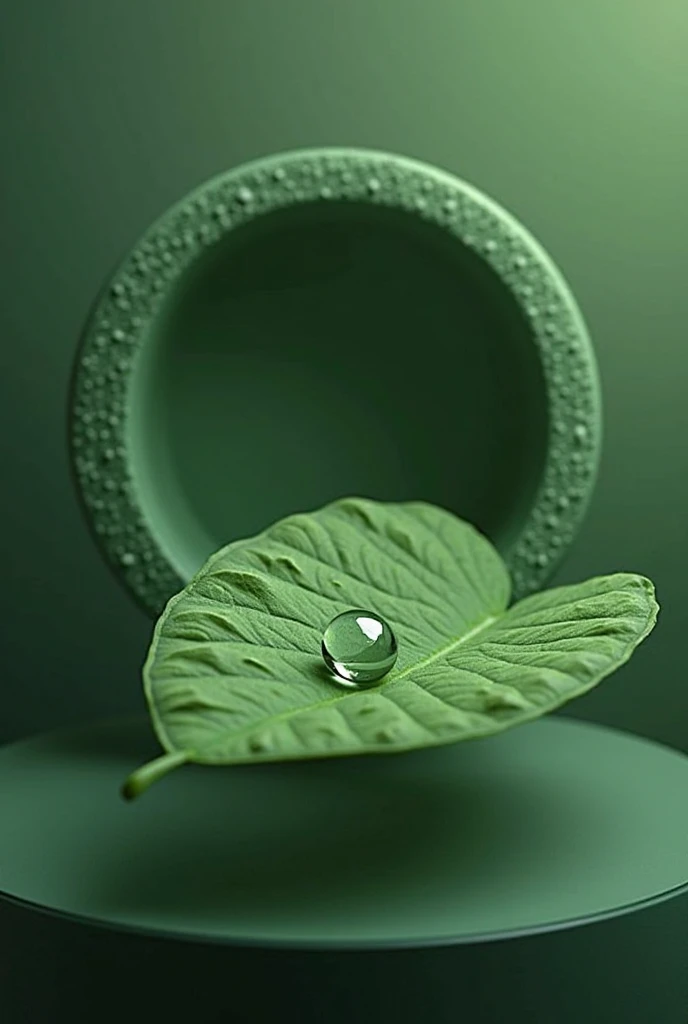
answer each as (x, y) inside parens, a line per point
(373, 185)
(491, 245)
(279, 174)
(520, 262)
(245, 195)
(580, 433)
(450, 205)
(128, 558)
(359, 647)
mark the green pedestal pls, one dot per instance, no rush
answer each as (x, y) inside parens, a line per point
(539, 876)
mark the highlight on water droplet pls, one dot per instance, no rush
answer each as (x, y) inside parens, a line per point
(359, 647)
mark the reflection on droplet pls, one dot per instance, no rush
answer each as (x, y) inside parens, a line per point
(359, 647)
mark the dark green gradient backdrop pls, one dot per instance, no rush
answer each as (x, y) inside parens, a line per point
(572, 115)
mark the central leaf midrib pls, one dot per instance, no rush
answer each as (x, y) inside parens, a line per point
(441, 652)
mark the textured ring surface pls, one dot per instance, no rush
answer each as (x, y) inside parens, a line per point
(100, 391)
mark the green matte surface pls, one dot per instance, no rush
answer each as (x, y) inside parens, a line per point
(552, 822)
(307, 354)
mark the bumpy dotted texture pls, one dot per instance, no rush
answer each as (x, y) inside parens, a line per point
(99, 400)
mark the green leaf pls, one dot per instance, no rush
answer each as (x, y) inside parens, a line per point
(234, 673)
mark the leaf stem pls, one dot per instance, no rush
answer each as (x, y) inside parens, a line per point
(148, 773)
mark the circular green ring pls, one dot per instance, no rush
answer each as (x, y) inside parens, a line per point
(100, 385)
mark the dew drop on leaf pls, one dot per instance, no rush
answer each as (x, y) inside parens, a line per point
(359, 647)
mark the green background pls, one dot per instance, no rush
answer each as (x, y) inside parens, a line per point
(571, 115)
